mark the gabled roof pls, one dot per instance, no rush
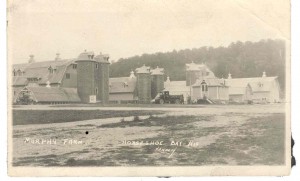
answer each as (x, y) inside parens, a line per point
(122, 85)
(53, 94)
(41, 70)
(258, 84)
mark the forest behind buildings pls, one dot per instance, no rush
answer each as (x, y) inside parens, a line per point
(241, 59)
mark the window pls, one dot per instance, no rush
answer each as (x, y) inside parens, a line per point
(68, 76)
(74, 66)
(96, 65)
(204, 87)
(96, 90)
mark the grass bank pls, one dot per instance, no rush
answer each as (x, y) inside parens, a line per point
(23, 117)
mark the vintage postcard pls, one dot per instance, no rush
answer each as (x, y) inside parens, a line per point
(148, 88)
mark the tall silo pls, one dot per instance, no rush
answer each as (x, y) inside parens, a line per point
(103, 77)
(157, 81)
(86, 76)
(143, 84)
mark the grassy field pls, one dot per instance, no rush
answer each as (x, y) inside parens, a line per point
(23, 117)
(187, 140)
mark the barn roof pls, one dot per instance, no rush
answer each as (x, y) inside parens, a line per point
(41, 70)
(53, 94)
(122, 85)
(258, 84)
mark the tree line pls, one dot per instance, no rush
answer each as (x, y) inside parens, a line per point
(241, 59)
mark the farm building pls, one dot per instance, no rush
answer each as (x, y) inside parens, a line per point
(87, 75)
(86, 79)
(60, 73)
(239, 91)
(264, 89)
(200, 83)
(197, 71)
(123, 89)
(210, 88)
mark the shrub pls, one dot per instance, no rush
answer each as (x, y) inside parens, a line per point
(136, 118)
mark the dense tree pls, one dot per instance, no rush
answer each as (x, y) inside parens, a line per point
(241, 59)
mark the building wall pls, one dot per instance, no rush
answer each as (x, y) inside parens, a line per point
(85, 80)
(223, 93)
(261, 97)
(72, 81)
(144, 87)
(157, 85)
(213, 93)
(196, 93)
(236, 97)
(248, 94)
(121, 97)
(275, 92)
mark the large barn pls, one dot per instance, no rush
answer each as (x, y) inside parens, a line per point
(257, 89)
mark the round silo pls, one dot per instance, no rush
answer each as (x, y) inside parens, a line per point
(103, 77)
(143, 84)
(157, 81)
(85, 76)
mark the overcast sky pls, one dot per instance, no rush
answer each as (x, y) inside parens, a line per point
(133, 27)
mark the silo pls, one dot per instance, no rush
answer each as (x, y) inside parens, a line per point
(157, 81)
(103, 77)
(194, 72)
(85, 76)
(143, 84)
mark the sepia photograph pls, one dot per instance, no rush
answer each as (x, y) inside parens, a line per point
(148, 88)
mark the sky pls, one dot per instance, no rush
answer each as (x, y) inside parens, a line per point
(124, 28)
